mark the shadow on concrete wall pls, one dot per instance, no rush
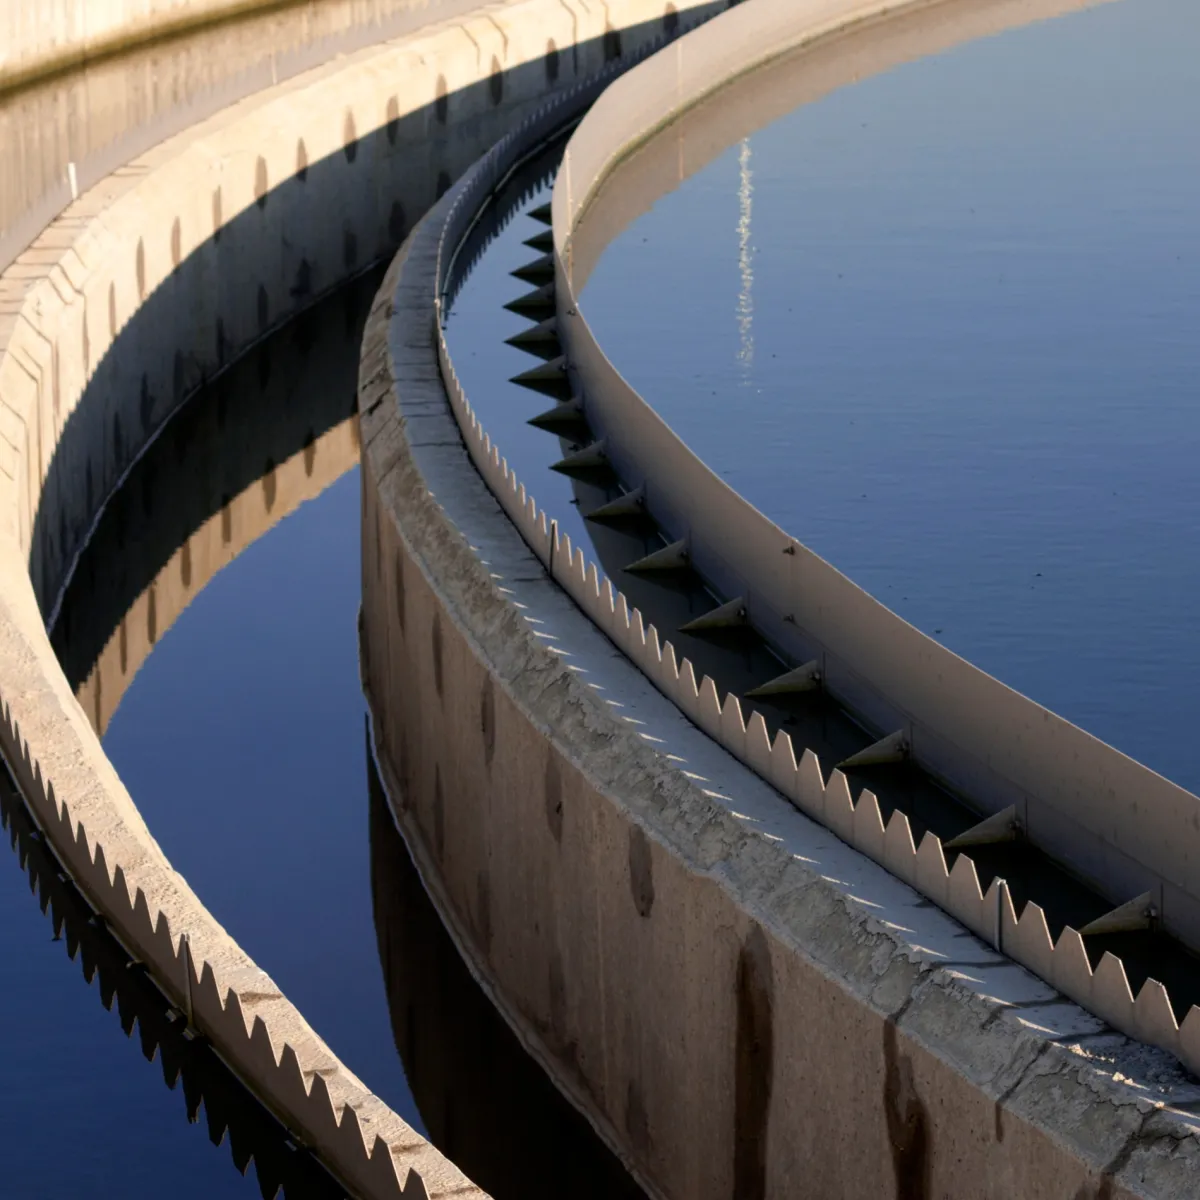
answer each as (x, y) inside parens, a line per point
(307, 234)
(111, 108)
(223, 451)
(486, 1104)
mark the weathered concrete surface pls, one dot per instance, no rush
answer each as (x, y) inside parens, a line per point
(146, 286)
(742, 1004)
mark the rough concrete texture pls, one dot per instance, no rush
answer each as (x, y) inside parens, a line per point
(741, 1003)
(146, 286)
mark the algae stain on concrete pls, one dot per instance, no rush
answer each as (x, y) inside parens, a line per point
(641, 871)
(554, 798)
(753, 1067)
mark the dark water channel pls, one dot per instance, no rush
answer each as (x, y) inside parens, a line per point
(209, 630)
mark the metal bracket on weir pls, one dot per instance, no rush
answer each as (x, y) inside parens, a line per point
(565, 416)
(890, 749)
(541, 270)
(1138, 913)
(550, 378)
(535, 305)
(674, 557)
(792, 683)
(730, 615)
(1004, 826)
(543, 242)
(588, 459)
(540, 339)
(631, 504)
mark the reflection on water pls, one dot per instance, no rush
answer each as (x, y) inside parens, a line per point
(238, 736)
(209, 631)
(972, 388)
(486, 1104)
(73, 1084)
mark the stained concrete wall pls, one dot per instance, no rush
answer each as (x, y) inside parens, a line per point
(742, 1004)
(148, 285)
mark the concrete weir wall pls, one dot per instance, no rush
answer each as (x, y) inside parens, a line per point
(741, 1003)
(145, 287)
(1114, 822)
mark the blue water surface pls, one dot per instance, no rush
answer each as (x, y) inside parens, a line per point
(942, 326)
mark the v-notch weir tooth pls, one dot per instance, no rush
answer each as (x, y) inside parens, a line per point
(542, 213)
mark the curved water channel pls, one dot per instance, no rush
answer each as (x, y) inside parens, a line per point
(240, 732)
(209, 630)
(980, 374)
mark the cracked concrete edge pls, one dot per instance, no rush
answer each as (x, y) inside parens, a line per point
(1092, 1099)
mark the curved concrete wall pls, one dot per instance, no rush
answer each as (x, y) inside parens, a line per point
(741, 1003)
(62, 134)
(133, 997)
(1113, 821)
(146, 286)
(52, 35)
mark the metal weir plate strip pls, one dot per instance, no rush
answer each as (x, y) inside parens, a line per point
(1114, 822)
(991, 915)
